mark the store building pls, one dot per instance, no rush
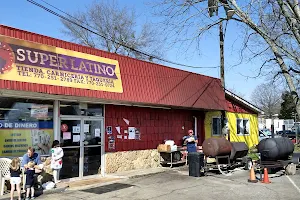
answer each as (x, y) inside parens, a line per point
(109, 111)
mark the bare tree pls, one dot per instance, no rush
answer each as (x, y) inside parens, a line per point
(271, 30)
(234, 91)
(268, 98)
(118, 27)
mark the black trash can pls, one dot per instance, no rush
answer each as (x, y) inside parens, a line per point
(196, 163)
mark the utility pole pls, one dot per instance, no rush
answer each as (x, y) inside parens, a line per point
(222, 54)
(213, 6)
(221, 34)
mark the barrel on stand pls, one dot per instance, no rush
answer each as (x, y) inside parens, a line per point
(272, 149)
(213, 147)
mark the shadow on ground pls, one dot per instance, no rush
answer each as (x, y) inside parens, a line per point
(108, 188)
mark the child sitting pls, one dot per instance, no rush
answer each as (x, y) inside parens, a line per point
(30, 180)
(15, 178)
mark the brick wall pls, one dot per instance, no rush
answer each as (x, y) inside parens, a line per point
(155, 126)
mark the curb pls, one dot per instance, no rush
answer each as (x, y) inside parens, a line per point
(148, 174)
(44, 192)
(120, 179)
(55, 190)
(93, 185)
(124, 176)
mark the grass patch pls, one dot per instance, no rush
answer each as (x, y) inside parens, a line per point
(253, 153)
(297, 148)
(253, 156)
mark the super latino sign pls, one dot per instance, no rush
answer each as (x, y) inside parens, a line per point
(35, 63)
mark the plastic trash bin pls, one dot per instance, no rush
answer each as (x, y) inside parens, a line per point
(196, 163)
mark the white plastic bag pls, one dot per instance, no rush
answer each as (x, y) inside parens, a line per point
(49, 185)
(169, 142)
(174, 148)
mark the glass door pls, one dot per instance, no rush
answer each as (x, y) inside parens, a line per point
(70, 138)
(92, 146)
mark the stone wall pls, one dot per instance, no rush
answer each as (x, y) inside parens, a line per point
(131, 160)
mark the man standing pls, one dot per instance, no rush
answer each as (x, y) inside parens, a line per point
(31, 155)
(191, 141)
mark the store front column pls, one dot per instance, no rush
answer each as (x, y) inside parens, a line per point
(56, 124)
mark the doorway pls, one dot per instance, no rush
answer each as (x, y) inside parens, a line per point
(82, 141)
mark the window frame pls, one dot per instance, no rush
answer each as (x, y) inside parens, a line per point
(212, 126)
(220, 127)
(238, 130)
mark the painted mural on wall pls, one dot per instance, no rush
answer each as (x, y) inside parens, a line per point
(36, 63)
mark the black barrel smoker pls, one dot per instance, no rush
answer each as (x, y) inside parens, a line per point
(277, 153)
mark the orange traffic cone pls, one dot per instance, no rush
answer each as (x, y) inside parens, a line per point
(252, 178)
(266, 176)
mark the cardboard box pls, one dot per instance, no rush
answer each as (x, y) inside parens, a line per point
(164, 148)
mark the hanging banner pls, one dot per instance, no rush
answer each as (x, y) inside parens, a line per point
(39, 111)
(16, 137)
(30, 62)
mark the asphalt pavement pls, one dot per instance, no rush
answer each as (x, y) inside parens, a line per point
(177, 184)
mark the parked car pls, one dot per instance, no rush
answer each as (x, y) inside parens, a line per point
(266, 133)
(287, 133)
(262, 135)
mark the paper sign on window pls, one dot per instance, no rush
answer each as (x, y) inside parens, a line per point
(86, 128)
(76, 138)
(76, 129)
(66, 135)
(97, 132)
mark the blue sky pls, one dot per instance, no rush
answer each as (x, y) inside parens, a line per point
(24, 15)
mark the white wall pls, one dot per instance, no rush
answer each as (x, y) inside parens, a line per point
(278, 124)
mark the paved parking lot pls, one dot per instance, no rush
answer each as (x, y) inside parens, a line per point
(176, 184)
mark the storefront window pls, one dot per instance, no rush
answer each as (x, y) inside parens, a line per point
(25, 123)
(70, 108)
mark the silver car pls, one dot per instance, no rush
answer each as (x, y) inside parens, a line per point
(262, 134)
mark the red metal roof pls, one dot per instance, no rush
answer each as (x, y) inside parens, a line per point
(239, 105)
(143, 82)
(235, 107)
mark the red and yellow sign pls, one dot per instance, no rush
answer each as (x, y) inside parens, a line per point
(36, 63)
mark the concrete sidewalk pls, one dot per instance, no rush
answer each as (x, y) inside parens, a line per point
(97, 181)
(113, 178)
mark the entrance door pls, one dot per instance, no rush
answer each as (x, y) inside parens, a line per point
(70, 142)
(81, 141)
(93, 130)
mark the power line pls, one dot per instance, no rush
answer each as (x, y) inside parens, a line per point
(87, 29)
